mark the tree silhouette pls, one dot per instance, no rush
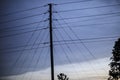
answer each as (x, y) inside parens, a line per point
(114, 72)
(62, 76)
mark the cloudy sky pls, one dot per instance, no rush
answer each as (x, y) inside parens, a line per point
(84, 32)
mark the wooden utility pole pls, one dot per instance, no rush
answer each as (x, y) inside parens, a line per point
(51, 42)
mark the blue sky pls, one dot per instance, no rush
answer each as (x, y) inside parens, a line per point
(84, 34)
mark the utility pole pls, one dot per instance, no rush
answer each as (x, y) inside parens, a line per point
(51, 42)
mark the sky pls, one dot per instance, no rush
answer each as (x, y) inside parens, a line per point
(84, 33)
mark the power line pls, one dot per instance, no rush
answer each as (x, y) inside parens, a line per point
(39, 56)
(30, 24)
(65, 43)
(89, 39)
(35, 52)
(88, 16)
(30, 44)
(97, 39)
(79, 39)
(64, 51)
(32, 48)
(22, 51)
(94, 19)
(73, 2)
(68, 42)
(62, 42)
(7, 29)
(23, 25)
(21, 11)
(33, 45)
(82, 43)
(25, 49)
(16, 47)
(21, 18)
(38, 38)
(71, 50)
(88, 8)
(41, 65)
(22, 33)
(23, 29)
(88, 25)
(67, 57)
(13, 28)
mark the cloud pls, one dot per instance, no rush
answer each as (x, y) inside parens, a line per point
(92, 70)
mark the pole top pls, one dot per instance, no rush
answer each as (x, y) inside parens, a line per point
(51, 4)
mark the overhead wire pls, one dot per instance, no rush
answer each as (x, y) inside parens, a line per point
(38, 38)
(15, 34)
(7, 52)
(84, 57)
(45, 59)
(4, 22)
(38, 60)
(64, 51)
(86, 40)
(23, 25)
(77, 55)
(77, 41)
(91, 25)
(65, 43)
(11, 29)
(45, 20)
(106, 17)
(72, 52)
(22, 51)
(62, 43)
(4, 29)
(69, 60)
(72, 2)
(15, 47)
(21, 11)
(80, 41)
(14, 30)
(68, 26)
(88, 16)
(78, 38)
(21, 46)
(73, 43)
(88, 8)
(34, 52)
